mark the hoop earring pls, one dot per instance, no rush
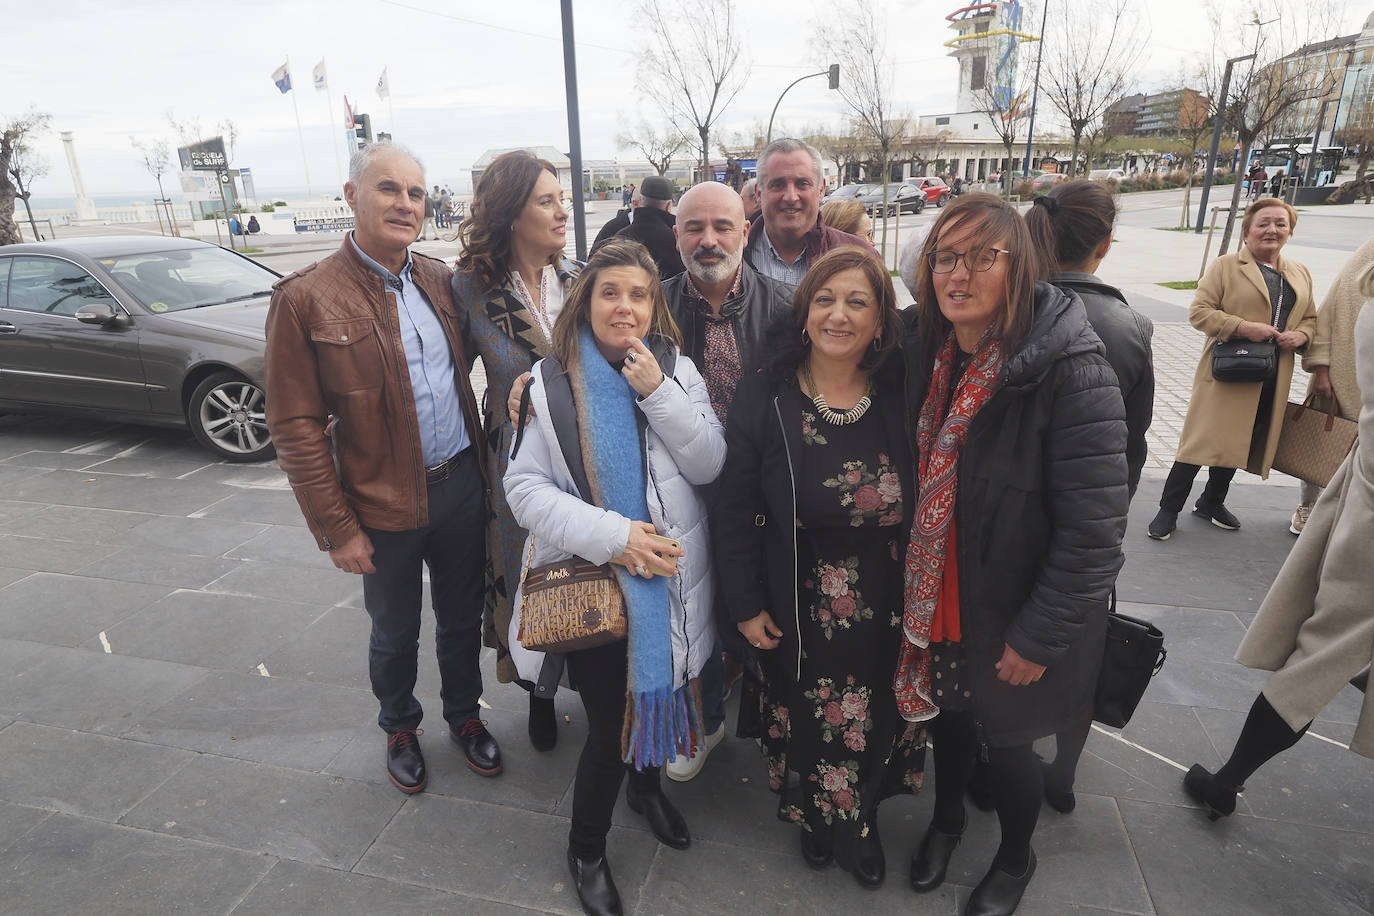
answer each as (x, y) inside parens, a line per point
(877, 343)
(806, 338)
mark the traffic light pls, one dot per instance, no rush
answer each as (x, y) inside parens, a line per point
(834, 74)
(363, 128)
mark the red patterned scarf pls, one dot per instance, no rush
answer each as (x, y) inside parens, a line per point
(939, 438)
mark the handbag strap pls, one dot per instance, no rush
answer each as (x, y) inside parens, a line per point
(1310, 402)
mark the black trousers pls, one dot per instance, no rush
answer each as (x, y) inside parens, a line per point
(453, 546)
(600, 676)
(1180, 482)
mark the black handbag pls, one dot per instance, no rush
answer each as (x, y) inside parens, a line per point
(1133, 655)
(1239, 360)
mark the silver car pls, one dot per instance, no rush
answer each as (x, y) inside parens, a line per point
(161, 331)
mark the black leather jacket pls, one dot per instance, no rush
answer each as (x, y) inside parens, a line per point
(762, 301)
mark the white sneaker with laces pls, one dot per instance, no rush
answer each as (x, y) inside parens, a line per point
(681, 769)
(1300, 516)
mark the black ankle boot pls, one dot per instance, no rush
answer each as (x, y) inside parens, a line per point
(664, 820)
(870, 867)
(818, 847)
(595, 887)
(999, 893)
(543, 724)
(1204, 788)
(932, 857)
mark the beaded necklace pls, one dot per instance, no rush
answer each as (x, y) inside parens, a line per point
(835, 417)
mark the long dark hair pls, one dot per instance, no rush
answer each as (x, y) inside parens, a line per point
(992, 218)
(788, 344)
(1069, 222)
(577, 309)
(497, 201)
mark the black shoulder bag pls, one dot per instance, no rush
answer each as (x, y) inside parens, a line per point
(1241, 360)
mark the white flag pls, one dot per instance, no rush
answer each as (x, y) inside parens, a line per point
(282, 78)
(383, 87)
(320, 82)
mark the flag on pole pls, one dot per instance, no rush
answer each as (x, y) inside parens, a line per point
(282, 77)
(383, 87)
(349, 123)
(321, 83)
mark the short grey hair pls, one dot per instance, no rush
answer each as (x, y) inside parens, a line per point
(790, 145)
(364, 156)
(750, 189)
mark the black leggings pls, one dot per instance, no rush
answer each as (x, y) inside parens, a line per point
(600, 677)
(1016, 786)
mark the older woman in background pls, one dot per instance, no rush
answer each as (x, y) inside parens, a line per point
(1255, 294)
(509, 288)
(848, 215)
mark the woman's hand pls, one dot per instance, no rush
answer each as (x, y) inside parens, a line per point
(1257, 331)
(1015, 670)
(517, 391)
(641, 556)
(1320, 382)
(641, 369)
(1292, 340)
(761, 631)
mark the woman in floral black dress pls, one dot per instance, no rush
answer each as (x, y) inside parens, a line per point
(814, 510)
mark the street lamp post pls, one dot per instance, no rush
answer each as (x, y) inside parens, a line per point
(1222, 103)
(574, 131)
(1035, 92)
(833, 71)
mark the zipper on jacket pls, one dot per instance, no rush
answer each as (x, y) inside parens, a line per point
(796, 562)
(310, 508)
(681, 596)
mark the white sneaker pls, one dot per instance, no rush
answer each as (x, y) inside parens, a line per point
(1300, 516)
(681, 769)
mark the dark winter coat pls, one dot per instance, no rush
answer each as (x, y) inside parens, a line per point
(1040, 513)
(754, 513)
(1126, 334)
(653, 228)
(761, 303)
(613, 226)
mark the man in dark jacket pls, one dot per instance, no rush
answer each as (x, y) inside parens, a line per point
(724, 309)
(378, 432)
(793, 237)
(622, 218)
(653, 224)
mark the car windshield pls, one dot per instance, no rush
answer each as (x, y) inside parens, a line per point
(188, 278)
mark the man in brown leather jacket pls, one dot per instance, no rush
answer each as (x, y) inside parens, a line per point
(377, 429)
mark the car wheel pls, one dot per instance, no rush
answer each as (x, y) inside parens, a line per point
(940, 201)
(228, 415)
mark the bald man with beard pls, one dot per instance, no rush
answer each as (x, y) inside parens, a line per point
(724, 309)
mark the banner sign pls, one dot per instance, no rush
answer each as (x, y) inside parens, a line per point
(324, 224)
(206, 156)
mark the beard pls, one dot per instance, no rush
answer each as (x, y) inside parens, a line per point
(721, 270)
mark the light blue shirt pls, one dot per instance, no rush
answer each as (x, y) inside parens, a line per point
(430, 363)
(770, 265)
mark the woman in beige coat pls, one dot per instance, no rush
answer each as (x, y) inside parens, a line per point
(1258, 295)
(1331, 357)
(1315, 628)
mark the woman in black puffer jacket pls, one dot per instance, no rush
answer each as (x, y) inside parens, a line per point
(1019, 433)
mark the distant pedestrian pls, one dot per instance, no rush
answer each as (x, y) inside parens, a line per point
(653, 225)
(445, 208)
(253, 225)
(431, 202)
(1315, 628)
(1255, 294)
(627, 194)
(385, 453)
(1276, 184)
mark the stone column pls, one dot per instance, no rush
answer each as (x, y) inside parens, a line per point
(85, 207)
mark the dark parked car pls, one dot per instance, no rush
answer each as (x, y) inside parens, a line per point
(849, 190)
(161, 331)
(906, 198)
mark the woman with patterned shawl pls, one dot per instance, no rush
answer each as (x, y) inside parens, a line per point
(509, 287)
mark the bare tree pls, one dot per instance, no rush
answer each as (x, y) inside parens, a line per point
(846, 148)
(156, 159)
(1089, 63)
(692, 65)
(1357, 130)
(188, 130)
(230, 132)
(859, 45)
(17, 167)
(658, 147)
(1196, 116)
(1007, 113)
(1266, 88)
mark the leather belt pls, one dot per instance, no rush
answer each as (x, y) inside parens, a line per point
(442, 472)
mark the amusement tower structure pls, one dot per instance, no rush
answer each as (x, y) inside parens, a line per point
(989, 35)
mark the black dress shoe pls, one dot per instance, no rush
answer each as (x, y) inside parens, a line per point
(405, 765)
(818, 847)
(664, 820)
(870, 867)
(543, 724)
(931, 861)
(999, 893)
(479, 747)
(1217, 514)
(1203, 787)
(595, 887)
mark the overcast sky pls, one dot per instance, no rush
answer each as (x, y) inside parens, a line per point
(465, 76)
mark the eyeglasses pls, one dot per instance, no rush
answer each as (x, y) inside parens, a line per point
(979, 259)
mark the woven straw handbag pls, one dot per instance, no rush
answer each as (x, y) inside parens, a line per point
(1312, 442)
(569, 605)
